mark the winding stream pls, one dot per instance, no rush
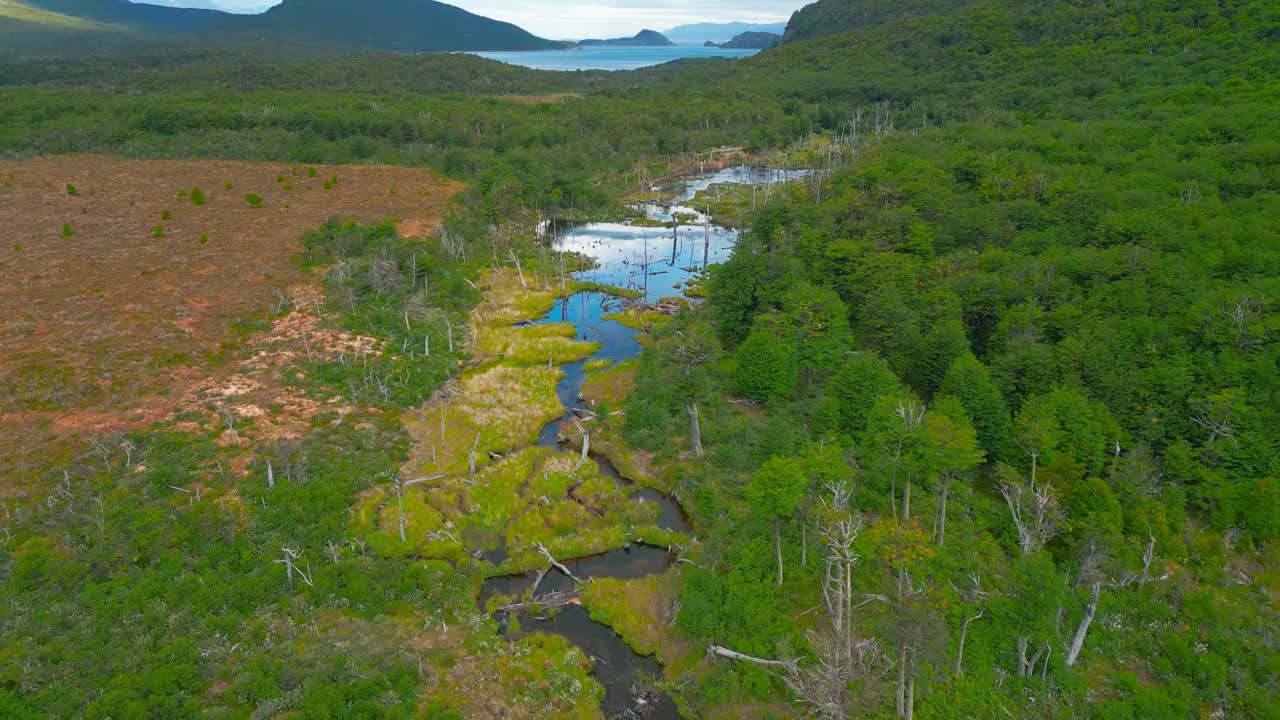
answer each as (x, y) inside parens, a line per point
(656, 262)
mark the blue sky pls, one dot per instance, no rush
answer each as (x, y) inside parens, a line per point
(576, 19)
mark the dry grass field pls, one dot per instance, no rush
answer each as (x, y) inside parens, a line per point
(119, 284)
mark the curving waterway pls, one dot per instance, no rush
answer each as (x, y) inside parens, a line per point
(655, 263)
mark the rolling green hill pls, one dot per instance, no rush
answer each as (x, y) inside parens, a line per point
(150, 18)
(16, 14)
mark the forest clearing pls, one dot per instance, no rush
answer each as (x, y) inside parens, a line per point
(127, 282)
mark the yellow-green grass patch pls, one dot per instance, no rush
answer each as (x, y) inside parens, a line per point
(498, 408)
(642, 320)
(507, 300)
(612, 386)
(533, 344)
(640, 611)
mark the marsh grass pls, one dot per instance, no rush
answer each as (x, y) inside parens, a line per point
(507, 301)
(534, 344)
(497, 408)
(640, 612)
(610, 387)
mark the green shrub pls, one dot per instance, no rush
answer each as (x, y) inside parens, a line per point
(71, 190)
(66, 230)
(197, 196)
(158, 231)
(255, 201)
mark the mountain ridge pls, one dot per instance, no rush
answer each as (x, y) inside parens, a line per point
(319, 25)
(699, 33)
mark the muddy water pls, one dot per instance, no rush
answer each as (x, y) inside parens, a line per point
(657, 263)
(630, 563)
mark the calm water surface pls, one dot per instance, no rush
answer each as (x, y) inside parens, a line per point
(609, 58)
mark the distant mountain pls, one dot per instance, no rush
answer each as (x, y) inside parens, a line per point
(752, 41)
(150, 18)
(833, 17)
(647, 38)
(304, 25)
(717, 33)
(395, 25)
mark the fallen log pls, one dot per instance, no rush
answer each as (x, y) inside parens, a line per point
(556, 563)
(550, 600)
(732, 655)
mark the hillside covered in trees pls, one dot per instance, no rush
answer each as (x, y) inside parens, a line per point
(978, 420)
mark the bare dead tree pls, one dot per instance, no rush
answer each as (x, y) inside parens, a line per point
(1027, 666)
(1242, 316)
(839, 681)
(1077, 642)
(911, 414)
(1214, 416)
(837, 587)
(1089, 575)
(229, 419)
(1191, 194)
(975, 595)
(290, 568)
(1034, 512)
(1147, 556)
(519, 269)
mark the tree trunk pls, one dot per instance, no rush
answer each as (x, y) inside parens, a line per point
(804, 543)
(1031, 664)
(727, 653)
(942, 514)
(1078, 641)
(911, 688)
(901, 694)
(906, 501)
(964, 632)
(695, 430)
(1022, 656)
(400, 503)
(1147, 557)
(777, 546)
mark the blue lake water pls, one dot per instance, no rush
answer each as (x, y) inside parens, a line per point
(609, 57)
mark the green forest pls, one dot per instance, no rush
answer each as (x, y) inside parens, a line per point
(980, 421)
